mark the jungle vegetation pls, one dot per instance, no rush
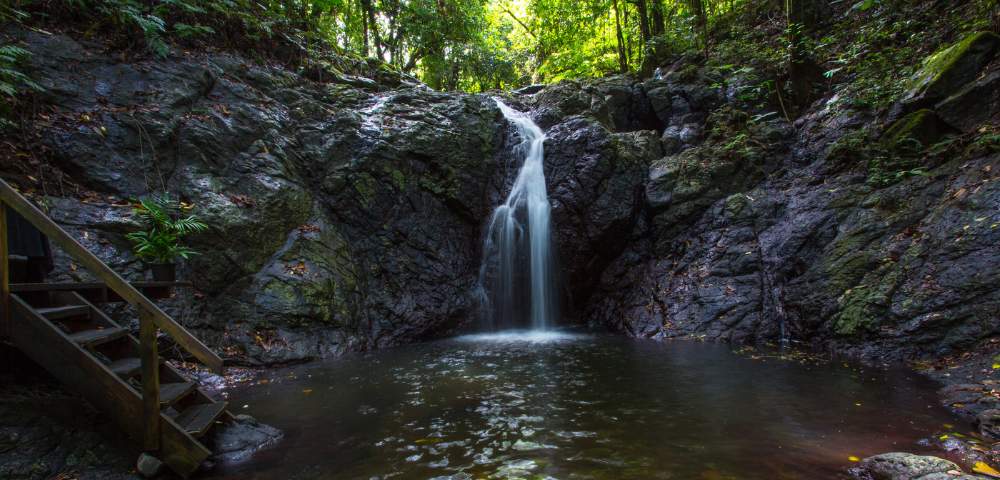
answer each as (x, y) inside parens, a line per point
(477, 45)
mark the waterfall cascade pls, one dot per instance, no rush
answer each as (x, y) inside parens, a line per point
(517, 277)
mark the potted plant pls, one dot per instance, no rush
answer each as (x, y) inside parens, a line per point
(159, 244)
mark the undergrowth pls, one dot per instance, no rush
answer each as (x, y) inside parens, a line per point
(866, 50)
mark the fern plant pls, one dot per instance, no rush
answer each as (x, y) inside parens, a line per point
(12, 80)
(165, 226)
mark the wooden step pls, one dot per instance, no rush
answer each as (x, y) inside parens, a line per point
(68, 311)
(126, 367)
(90, 338)
(198, 419)
(172, 392)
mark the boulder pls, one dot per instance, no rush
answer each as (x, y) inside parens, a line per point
(947, 71)
(902, 466)
(973, 105)
(923, 127)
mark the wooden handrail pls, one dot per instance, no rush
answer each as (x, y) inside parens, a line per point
(5, 318)
(126, 291)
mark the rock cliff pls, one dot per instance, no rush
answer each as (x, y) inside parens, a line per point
(347, 214)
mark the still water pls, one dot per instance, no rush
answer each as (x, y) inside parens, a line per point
(579, 406)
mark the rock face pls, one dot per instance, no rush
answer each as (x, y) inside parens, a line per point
(343, 217)
(754, 230)
(348, 215)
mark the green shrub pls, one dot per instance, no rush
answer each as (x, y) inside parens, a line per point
(165, 226)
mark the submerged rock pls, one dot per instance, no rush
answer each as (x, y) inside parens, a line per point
(241, 438)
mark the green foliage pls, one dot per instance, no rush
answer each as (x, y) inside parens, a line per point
(13, 81)
(871, 54)
(478, 45)
(165, 225)
(984, 144)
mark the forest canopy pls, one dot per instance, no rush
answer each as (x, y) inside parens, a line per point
(471, 45)
(480, 45)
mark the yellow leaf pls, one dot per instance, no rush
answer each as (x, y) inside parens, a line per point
(996, 366)
(854, 459)
(307, 391)
(943, 437)
(982, 467)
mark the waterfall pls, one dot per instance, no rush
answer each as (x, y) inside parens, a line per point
(518, 242)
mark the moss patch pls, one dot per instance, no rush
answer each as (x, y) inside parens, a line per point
(944, 72)
(922, 126)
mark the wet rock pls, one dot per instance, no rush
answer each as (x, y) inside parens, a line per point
(241, 438)
(45, 432)
(902, 466)
(973, 105)
(988, 422)
(968, 399)
(677, 138)
(923, 126)
(148, 466)
(955, 475)
(326, 201)
(530, 89)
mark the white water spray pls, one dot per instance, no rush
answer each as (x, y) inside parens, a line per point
(518, 242)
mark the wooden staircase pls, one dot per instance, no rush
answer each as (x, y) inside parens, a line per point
(58, 327)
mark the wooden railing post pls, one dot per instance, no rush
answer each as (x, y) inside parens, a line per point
(5, 320)
(150, 381)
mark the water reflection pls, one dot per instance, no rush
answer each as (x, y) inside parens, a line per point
(574, 406)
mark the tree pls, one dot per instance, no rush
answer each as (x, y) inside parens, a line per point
(801, 16)
(622, 57)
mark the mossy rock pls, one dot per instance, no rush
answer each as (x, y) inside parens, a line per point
(922, 126)
(947, 71)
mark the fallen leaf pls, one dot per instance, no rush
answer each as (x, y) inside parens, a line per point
(853, 458)
(307, 391)
(982, 467)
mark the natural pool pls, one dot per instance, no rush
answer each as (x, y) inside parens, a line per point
(580, 406)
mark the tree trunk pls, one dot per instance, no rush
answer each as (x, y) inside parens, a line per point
(364, 29)
(643, 12)
(658, 24)
(802, 17)
(701, 21)
(372, 25)
(622, 59)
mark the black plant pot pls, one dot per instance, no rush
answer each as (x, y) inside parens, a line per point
(164, 272)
